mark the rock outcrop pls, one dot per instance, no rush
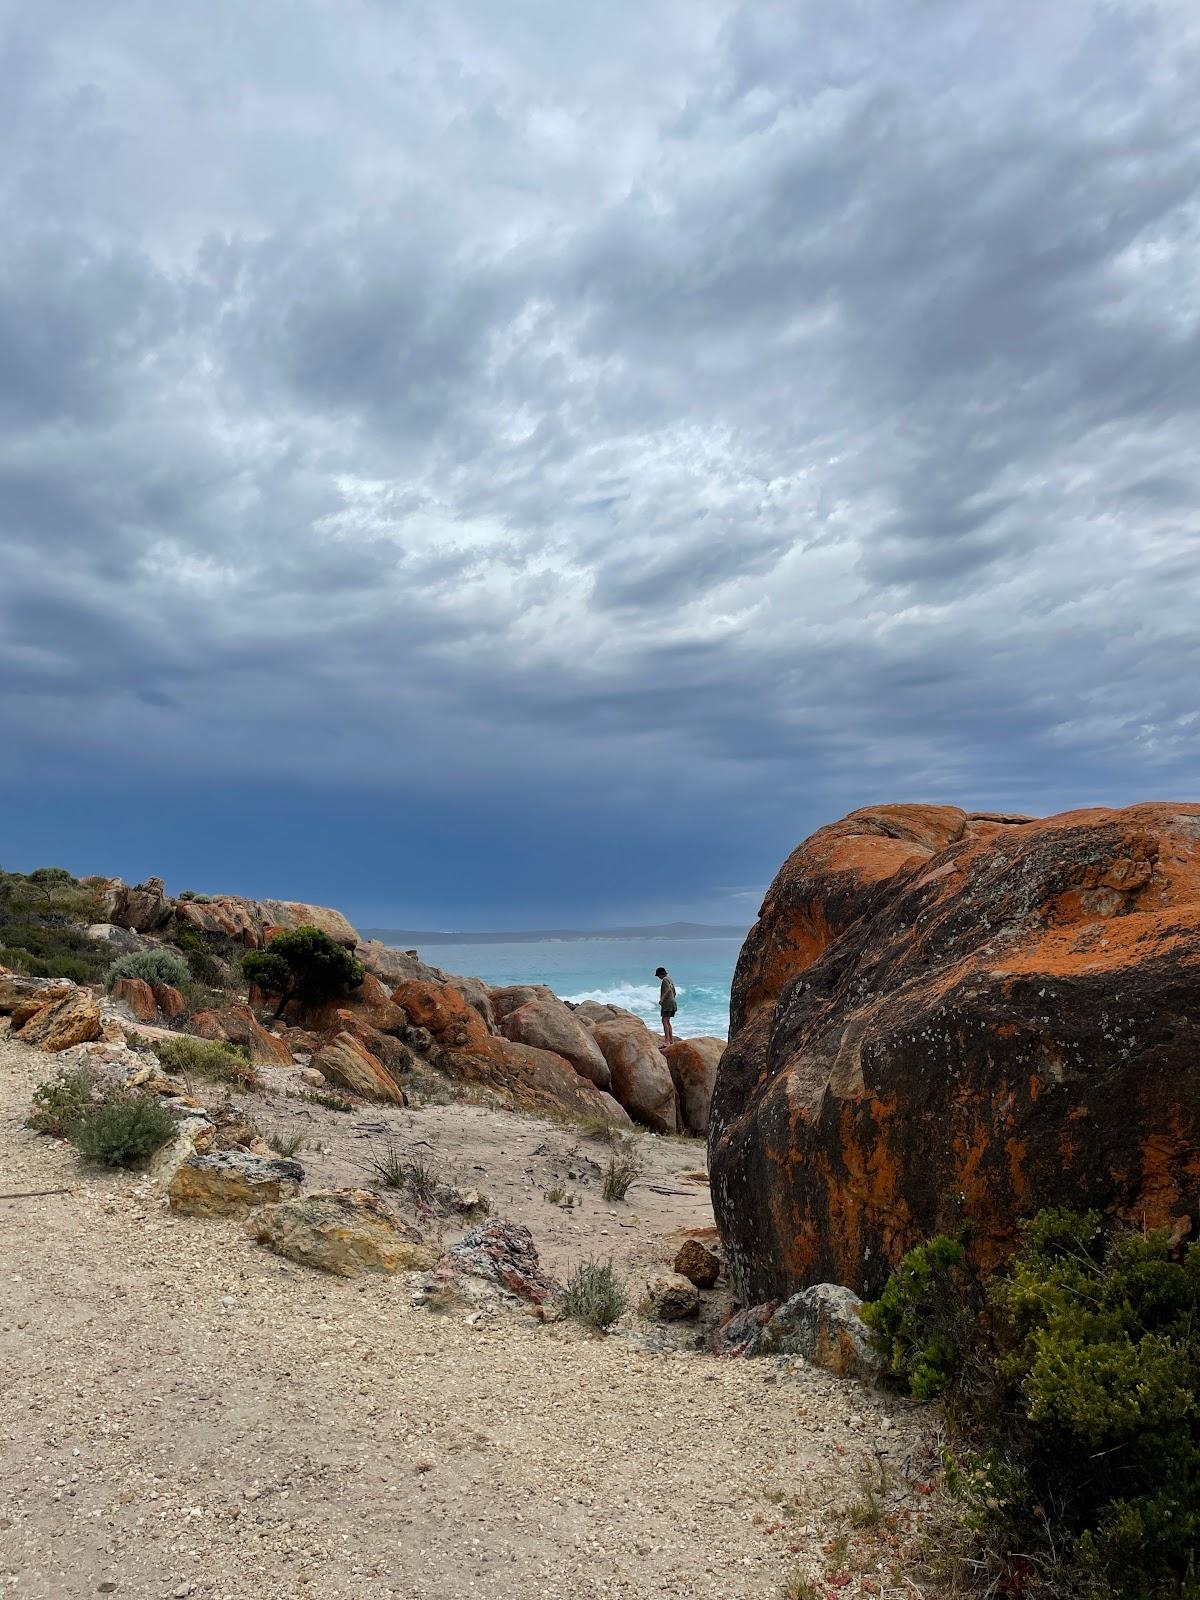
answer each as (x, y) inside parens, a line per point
(71, 1020)
(519, 1074)
(147, 908)
(941, 1016)
(348, 1063)
(137, 994)
(693, 1067)
(237, 1024)
(641, 1079)
(229, 1183)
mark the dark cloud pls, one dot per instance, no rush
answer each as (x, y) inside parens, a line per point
(634, 437)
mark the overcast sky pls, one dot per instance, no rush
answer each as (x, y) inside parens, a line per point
(486, 465)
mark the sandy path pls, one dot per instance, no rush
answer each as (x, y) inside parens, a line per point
(184, 1414)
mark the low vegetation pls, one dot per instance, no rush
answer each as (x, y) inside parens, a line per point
(59, 1103)
(120, 1132)
(152, 966)
(286, 1144)
(40, 913)
(185, 1056)
(1073, 1379)
(624, 1167)
(391, 1168)
(594, 1295)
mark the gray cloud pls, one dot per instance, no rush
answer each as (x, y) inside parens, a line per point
(792, 404)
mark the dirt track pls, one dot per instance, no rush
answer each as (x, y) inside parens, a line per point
(185, 1414)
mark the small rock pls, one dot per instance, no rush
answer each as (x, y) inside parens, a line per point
(314, 1077)
(670, 1297)
(698, 1264)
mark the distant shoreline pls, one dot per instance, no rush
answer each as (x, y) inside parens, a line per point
(408, 937)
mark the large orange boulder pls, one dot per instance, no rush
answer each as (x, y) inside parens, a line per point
(941, 1016)
(237, 1024)
(693, 1067)
(641, 1079)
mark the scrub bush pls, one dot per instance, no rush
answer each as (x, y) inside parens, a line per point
(1081, 1471)
(153, 966)
(122, 1132)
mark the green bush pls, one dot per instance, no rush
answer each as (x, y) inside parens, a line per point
(186, 1056)
(303, 964)
(122, 1132)
(59, 1103)
(153, 966)
(1083, 1451)
(926, 1315)
(594, 1295)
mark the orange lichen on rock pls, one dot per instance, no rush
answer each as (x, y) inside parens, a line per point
(941, 1015)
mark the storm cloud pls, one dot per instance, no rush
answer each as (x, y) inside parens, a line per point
(507, 466)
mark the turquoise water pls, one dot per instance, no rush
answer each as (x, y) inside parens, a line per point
(617, 971)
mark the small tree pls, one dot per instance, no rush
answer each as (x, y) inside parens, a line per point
(303, 964)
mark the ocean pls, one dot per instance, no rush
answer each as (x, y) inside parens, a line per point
(614, 971)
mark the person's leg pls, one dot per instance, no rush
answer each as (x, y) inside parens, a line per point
(668, 1035)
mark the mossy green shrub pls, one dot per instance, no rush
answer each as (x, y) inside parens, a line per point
(203, 954)
(121, 1133)
(303, 964)
(185, 1056)
(1081, 1466)
(59, 1103)
(928, 1316)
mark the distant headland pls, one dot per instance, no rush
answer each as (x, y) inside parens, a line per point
(414, 937)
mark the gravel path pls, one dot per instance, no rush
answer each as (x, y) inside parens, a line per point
(186, 1415)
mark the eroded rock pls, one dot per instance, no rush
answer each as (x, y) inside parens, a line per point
(344, 1231)
(230, 1182)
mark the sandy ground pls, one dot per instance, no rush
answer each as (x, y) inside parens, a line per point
(186, 1415)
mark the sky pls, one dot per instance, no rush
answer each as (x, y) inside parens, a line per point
(488, 465)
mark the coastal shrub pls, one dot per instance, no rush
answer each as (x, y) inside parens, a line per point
(122, 1132)
(594, 1295)
(185, 1056)
(303, 964)
(59, 1103)
(927, 1316)
(1079, 1471)
(624, 1166)
(153, 966)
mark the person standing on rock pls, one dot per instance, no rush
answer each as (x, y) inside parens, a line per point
(668, 1005)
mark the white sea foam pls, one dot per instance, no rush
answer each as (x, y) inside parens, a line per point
(637, 997)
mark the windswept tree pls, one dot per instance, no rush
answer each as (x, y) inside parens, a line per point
(303, 964)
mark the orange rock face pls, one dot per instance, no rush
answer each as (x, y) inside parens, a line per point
(941, 1015)
(238, 1025)
(138, 996)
